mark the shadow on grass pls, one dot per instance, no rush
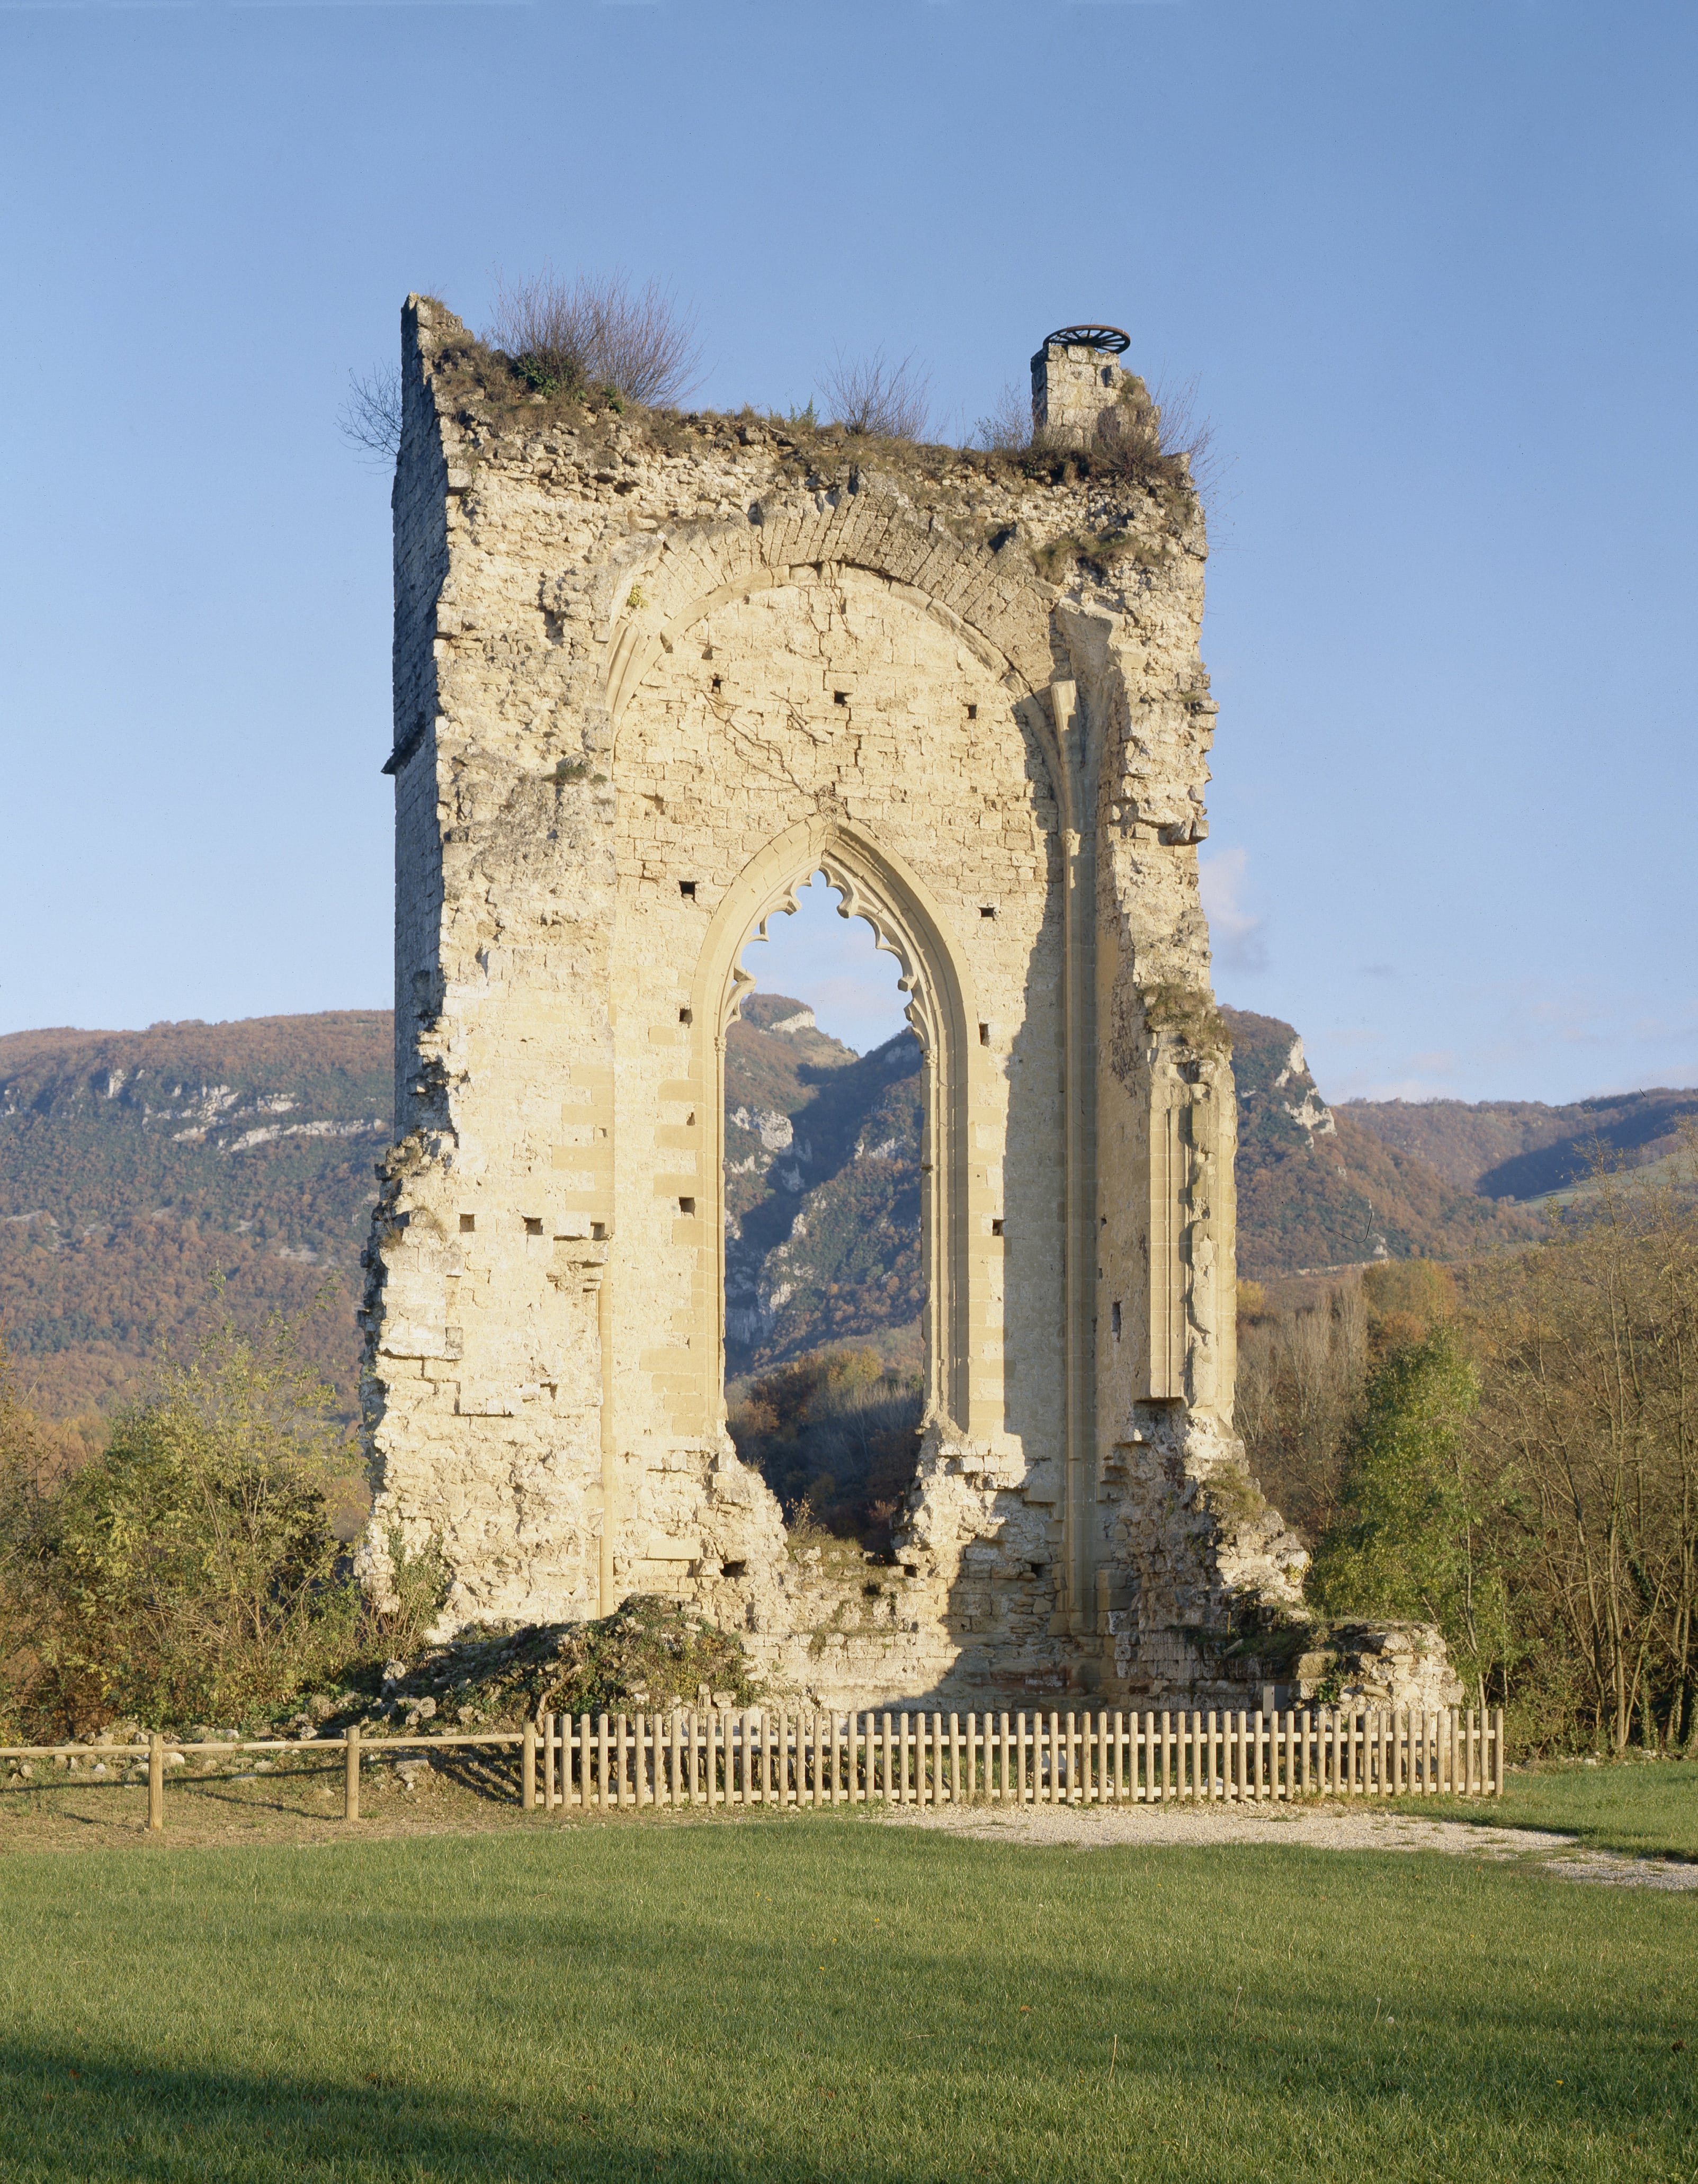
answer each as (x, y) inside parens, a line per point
(65, 2116)
(779, 2000)
(1640, 1808)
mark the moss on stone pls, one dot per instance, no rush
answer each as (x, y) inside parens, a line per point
(1189, 1013)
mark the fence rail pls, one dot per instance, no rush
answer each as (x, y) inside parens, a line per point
(351, 1747)
(720, 1757)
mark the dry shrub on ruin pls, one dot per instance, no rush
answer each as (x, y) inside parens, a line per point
(870, 396)
(598, 331)
(1005, 428)
(1184, 434)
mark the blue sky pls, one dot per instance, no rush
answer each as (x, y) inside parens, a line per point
(1433, 267)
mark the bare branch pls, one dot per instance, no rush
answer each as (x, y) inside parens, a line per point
(370, 418)
(1184, 433)
(1006, 427)
(885, 401)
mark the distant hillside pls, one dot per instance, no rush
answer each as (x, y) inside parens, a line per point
(1520, 1149)
(1318, 1188)
(134, 1164)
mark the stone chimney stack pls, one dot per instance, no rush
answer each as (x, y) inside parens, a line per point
(1074, 379)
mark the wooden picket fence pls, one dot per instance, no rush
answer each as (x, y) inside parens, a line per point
(722, 1758)
(756, 1757)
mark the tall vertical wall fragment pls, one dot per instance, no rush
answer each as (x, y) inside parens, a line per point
(651, 671)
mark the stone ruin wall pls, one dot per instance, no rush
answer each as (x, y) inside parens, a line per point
(648, 679)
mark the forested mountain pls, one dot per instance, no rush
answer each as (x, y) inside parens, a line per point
(822, 1190)
(1318, 1188)
(1520, 1149)
(134, 1164)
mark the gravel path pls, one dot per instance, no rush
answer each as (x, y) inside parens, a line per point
(1328, 1828)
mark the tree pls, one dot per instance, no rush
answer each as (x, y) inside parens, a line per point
(1410, 1539)
(1299, 1386)
(1592, 1402)
(30, 1460)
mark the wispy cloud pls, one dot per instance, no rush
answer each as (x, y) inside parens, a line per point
(1240, 940)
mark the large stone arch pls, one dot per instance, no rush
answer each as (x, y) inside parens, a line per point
(962, 884)
(908, 924)
(661, 585)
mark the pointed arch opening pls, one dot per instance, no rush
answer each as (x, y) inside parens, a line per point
(932, 979)
(824, 1273)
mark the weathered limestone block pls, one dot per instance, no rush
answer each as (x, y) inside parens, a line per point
(1392, 1664)
(651, 673)
(1076, 384)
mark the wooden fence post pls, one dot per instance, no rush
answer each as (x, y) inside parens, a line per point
(1497, 1752)
(527, 1766)
(350, 1771)
(156, 1781)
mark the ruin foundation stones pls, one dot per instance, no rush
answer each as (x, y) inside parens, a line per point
(651, 672)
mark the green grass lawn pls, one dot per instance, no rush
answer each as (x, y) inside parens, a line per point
(828, 1997)
(1648, 1807)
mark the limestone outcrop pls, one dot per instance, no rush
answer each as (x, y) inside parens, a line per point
(651, 673)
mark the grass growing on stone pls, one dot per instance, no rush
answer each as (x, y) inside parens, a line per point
(1647, 1807)
(828, 1997)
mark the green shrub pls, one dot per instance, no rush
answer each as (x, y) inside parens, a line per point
(189, 1569)
(650, 1655)
(419, 1584)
